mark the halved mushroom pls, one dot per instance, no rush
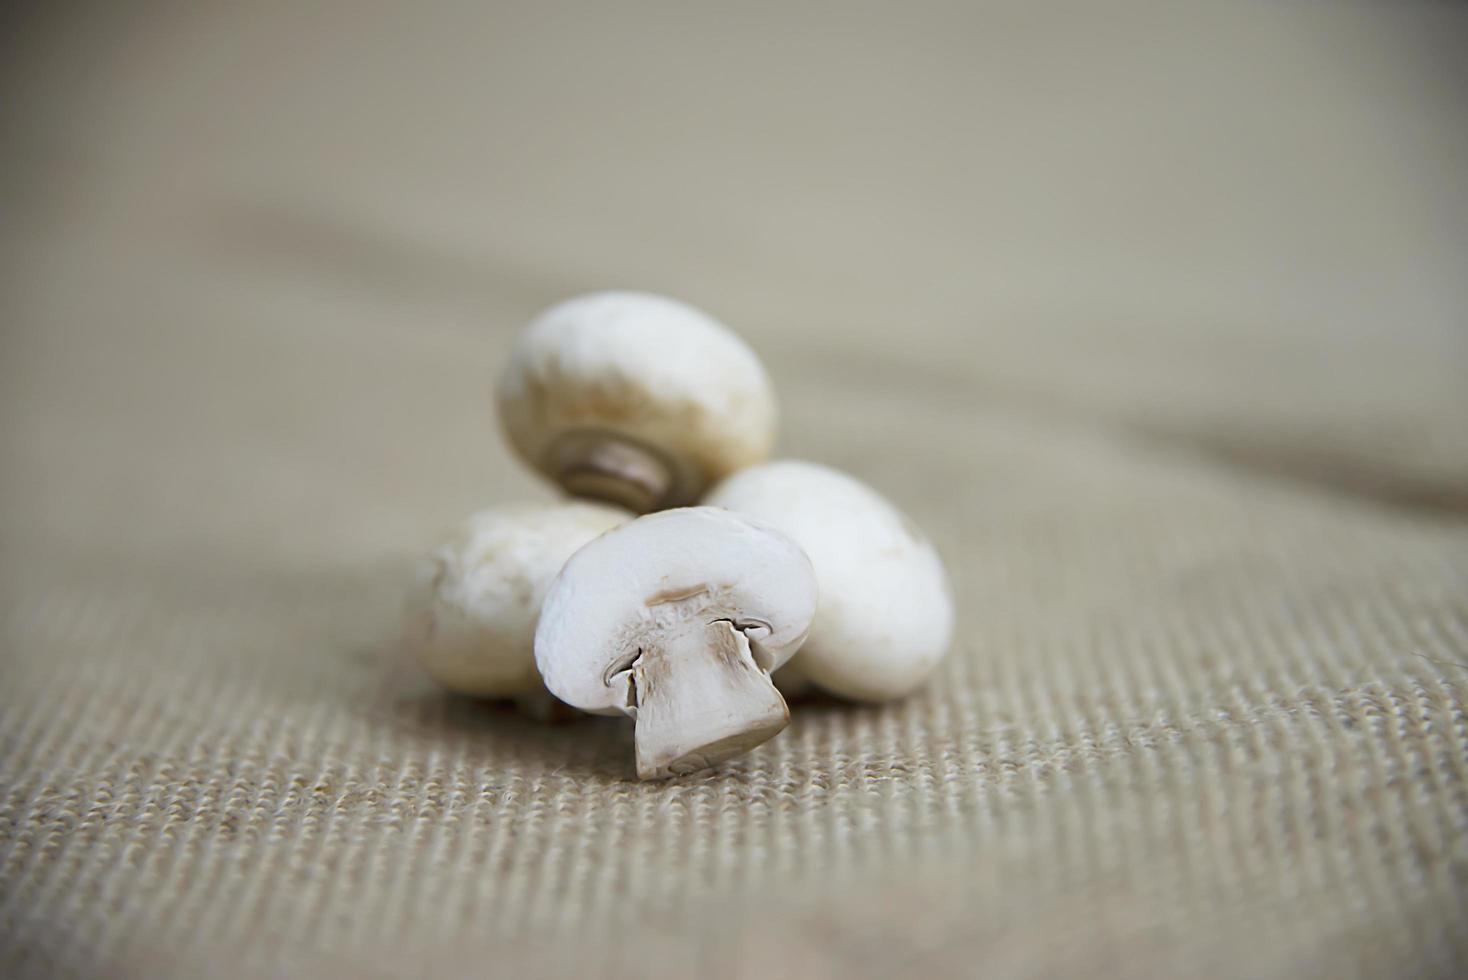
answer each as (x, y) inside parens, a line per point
(472, 625)
(677, 619)
(886, 612)
(636, 399)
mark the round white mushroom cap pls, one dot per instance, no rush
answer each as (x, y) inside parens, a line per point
(677, 619)
(473, 623)
(886, 611)
(635, 398)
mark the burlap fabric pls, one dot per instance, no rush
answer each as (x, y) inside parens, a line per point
(1154, 317)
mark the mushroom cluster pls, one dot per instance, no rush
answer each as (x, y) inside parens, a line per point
(686, 569)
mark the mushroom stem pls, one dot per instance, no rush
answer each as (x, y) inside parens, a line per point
(701, 699)
(606, 466)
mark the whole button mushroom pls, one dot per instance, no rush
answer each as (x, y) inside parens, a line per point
(473, 629)
(635, 399)
(677, 619)
(886, 612)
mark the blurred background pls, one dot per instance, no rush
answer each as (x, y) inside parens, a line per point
(243, 237)
(1128, 304)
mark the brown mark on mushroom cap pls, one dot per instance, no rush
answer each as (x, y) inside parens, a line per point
(676, 595)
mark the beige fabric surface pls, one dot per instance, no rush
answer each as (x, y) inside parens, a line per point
(1153, 316)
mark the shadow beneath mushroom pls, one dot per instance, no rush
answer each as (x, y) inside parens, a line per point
(496, 733)
(811, 697)
(496, 736)
(401, 699)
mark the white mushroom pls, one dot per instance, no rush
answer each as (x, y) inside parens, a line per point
(886, 611)
(677, 619)
(635, 399)
(473, 624)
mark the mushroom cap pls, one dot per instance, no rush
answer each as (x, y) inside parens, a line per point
(473, 622)
(886, 611)
(657, 572)
(652, 370)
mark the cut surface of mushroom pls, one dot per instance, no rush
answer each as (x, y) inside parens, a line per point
(472, 622)
(886, 610)
(676, 619)
(636, 399)
(701, 686)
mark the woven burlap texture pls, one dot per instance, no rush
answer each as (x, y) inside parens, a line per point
(1152, 318)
